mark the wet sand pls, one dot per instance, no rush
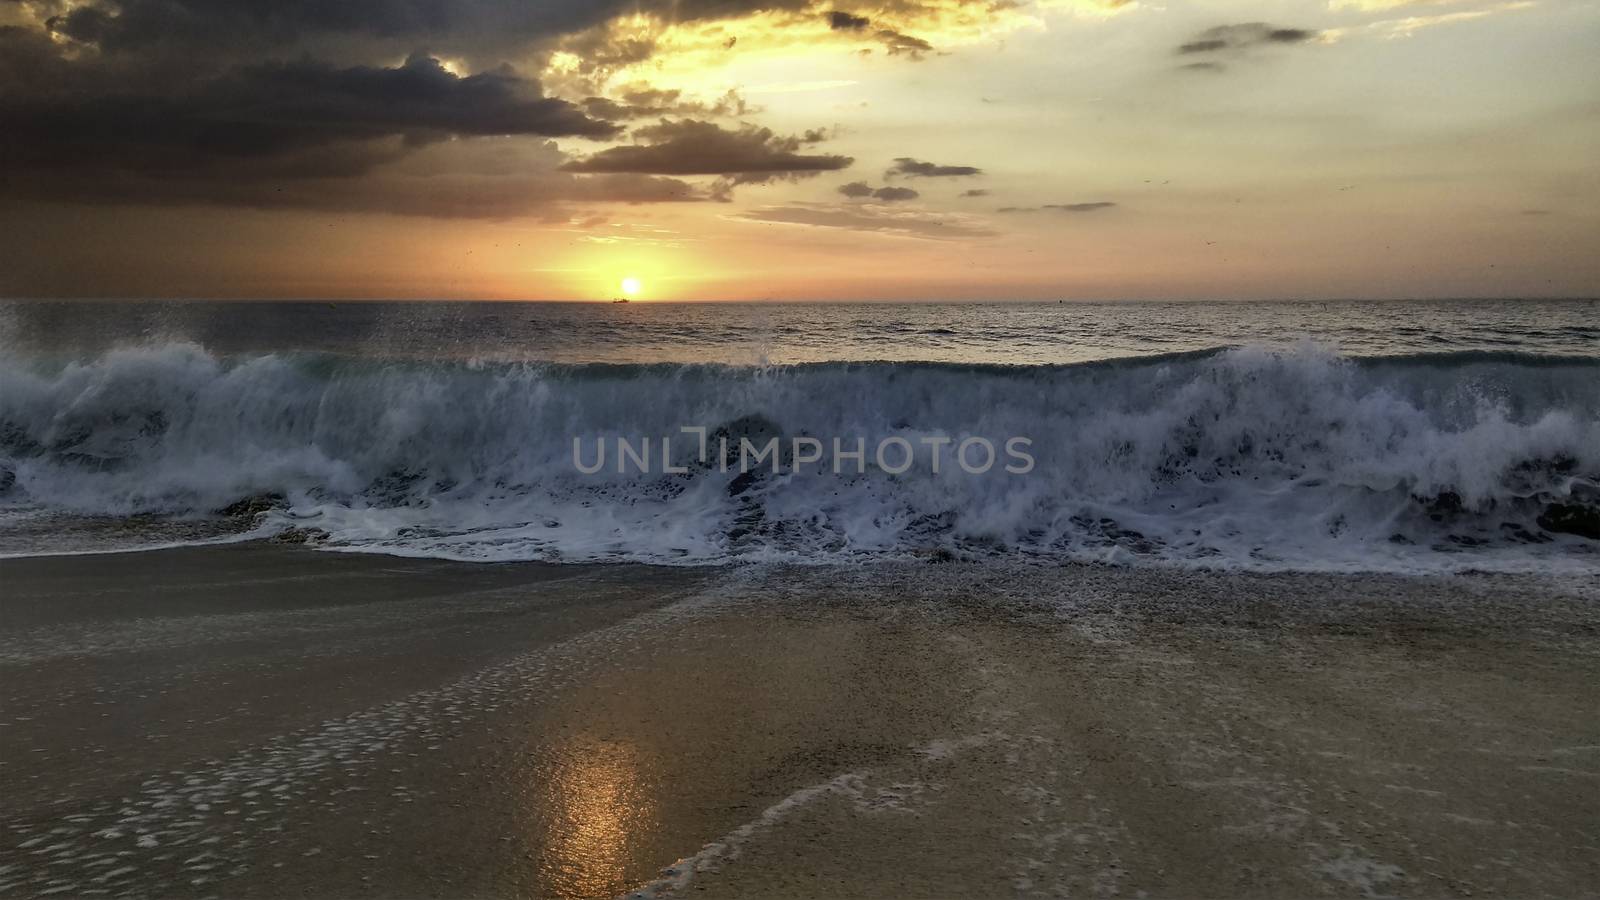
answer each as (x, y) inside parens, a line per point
(262, 721)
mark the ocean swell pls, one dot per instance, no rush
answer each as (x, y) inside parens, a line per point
(1250, 457)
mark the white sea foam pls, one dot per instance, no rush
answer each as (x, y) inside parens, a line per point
(1258, 458)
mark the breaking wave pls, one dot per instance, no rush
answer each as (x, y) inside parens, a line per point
(1261, 458)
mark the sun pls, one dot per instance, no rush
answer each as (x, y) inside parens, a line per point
(631, 286)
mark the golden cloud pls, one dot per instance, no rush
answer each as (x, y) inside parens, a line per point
(644, 47)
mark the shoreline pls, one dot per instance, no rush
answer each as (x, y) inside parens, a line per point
(261, 535)
(260, 720)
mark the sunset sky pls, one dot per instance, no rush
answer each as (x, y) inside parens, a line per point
(745, 149)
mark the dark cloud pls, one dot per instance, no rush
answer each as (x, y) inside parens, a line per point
(464, 26)
(617, 110)
(843, 21)
(302, 134)
(278, 109)
(1093, 206)
(94, 127)
(299, 103)
(894, 194)
(600, 53)
(1233, 38)
(691, 147)
(642, 103)
(898, 44)
(895, 43)
(894, 221)
(975, 192)
(860, 190)
(916, 168)
(457, 180)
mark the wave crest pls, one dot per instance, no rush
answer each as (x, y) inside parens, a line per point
(1256, 457)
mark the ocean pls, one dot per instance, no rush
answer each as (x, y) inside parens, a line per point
(1394, 436)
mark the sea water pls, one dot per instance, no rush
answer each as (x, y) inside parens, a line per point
(1392, 436)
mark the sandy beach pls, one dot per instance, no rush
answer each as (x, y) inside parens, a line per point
(267, 721)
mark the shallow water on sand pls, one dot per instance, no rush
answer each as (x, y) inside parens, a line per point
(260, 721)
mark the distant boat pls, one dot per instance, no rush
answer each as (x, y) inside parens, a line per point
(620, 300)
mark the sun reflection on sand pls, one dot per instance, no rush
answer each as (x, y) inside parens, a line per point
(598, 807)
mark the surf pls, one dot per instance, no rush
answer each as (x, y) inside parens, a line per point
(1246, 457)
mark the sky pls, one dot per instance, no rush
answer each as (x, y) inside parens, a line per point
(790, 149)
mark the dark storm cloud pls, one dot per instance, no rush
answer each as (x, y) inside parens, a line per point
(1093, 206)
(298, 103)
(916, 168)
(301, 134)
(278, 108)
(101, 128)
(165, 25)
(690, 147)
(1243, 36)
(860, 190)
(457, 180)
